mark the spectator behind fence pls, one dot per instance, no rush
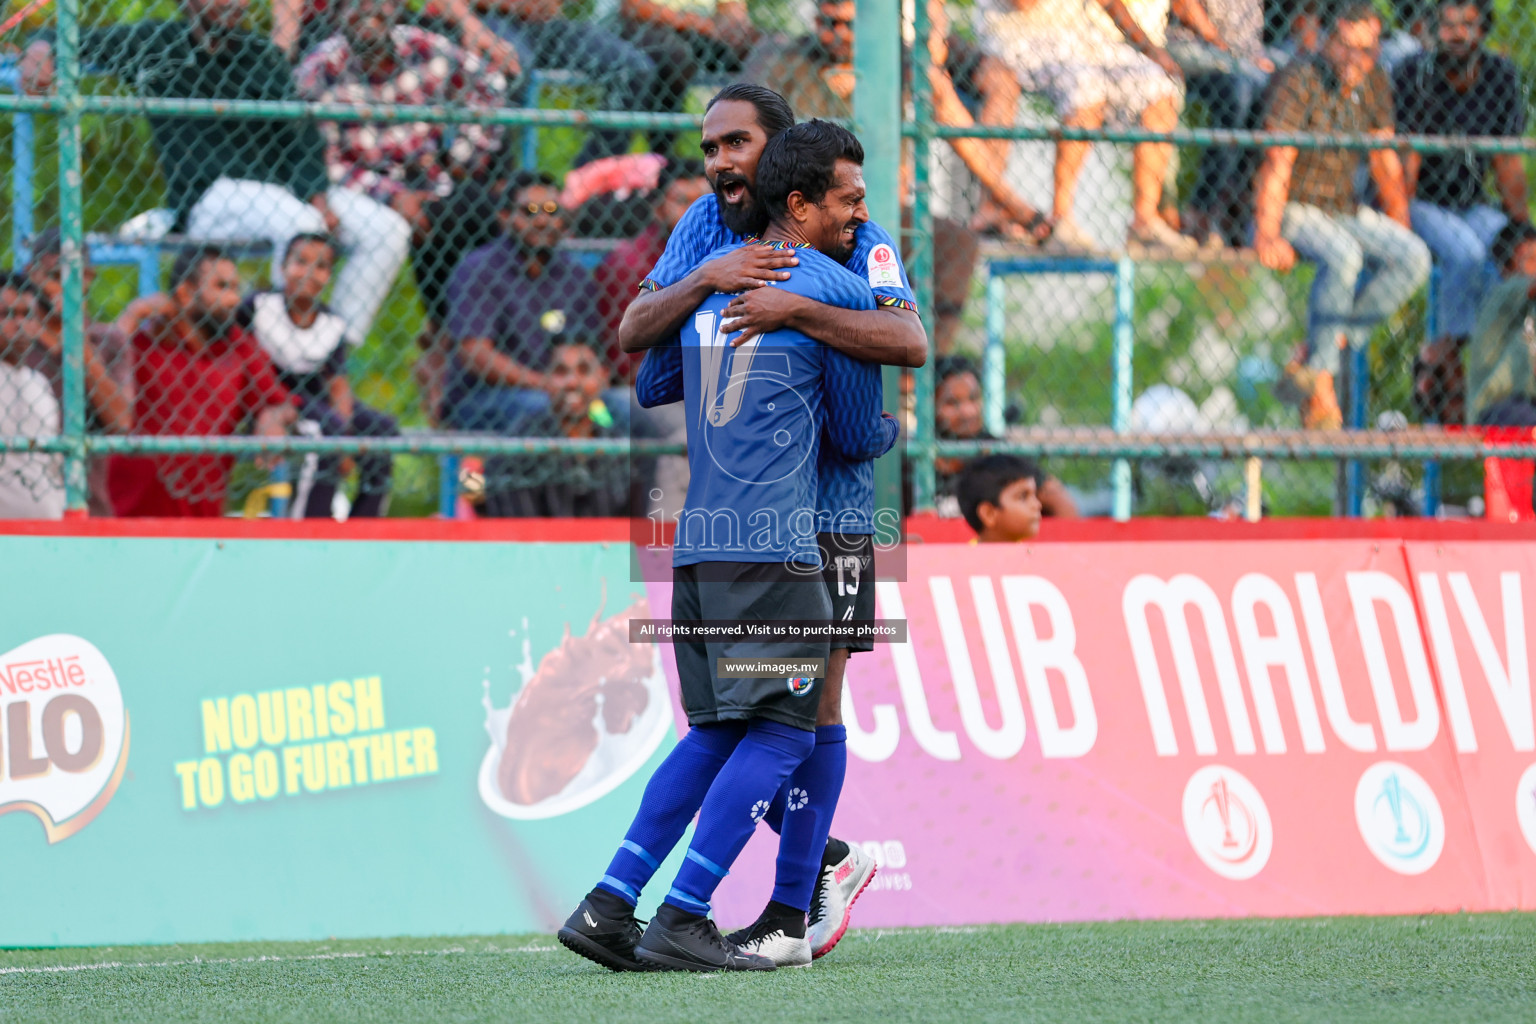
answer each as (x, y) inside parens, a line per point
(546, 34)
(1415, 33)
(683, 38)
(1293, 29)
(108, 371)
(814, 73)
(1225, 67)
(304, 340)
(437, 176)
(300, 25)
(196, 372)
(31, 485)
(1090, 67)
(107, 400)
(1208, 55)
(618, 277)
(618, 280)
(1368, 262)
(957, 417)
(510, 302)
(561, 485)
(966, 79)
(999, 499)
(1500, 388)
(1461, 89)
(241, 178)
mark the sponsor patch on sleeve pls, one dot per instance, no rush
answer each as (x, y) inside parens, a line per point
(884, 269)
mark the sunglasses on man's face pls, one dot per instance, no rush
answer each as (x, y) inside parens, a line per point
(549, 206)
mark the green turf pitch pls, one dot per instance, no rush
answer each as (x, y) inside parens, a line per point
(1457, 968)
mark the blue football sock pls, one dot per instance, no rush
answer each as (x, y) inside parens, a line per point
(774, 819)
(810, 800)
(736, 802)
(672, 798)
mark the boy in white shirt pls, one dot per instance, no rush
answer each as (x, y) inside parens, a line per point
(305, 341)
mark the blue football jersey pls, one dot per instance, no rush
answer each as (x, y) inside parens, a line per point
(757, 414)
(846, 495)
(701, 232)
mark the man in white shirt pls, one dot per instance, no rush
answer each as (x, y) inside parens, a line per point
(31, 485)
(1093, 58)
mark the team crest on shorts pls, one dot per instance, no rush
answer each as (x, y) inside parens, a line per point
(801, 685)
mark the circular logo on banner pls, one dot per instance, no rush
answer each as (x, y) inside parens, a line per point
(1227, 822)
(66, 731)
(1525, 806)
(1399, 818)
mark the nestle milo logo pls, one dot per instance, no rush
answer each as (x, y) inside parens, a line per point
(64, 745)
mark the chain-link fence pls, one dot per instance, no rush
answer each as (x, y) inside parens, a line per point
(358, 257)
(1227, 299)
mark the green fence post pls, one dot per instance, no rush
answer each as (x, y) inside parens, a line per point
(924, 260)
(67, 75)
(1125, 341)
(877, 112)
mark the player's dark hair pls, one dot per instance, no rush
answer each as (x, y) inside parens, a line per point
(1352, 11)
(190, 260)
(309, 236)
(774, 114)
(1508, 241)
(985, 479)
(946, 367)
(523, 180)
(803, 159)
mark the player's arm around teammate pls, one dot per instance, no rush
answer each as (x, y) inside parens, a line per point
(735, 131)
(655, 315)
(888, 335)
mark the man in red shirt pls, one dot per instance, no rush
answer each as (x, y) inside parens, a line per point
(195, 373)
(619, 275)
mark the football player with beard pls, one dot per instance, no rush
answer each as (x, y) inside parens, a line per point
(738, 123)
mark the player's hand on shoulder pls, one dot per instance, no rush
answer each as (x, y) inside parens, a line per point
(746, 268)
(760, 311)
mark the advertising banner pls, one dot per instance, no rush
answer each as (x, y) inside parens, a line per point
(205, 739)
(246, 739)
(1087, 731)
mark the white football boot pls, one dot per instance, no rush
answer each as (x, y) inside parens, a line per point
(837, 888)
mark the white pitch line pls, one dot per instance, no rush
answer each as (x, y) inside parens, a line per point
(200, 961)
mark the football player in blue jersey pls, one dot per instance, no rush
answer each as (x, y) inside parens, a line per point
(814, 872)
(746, 550)
(738, 123)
